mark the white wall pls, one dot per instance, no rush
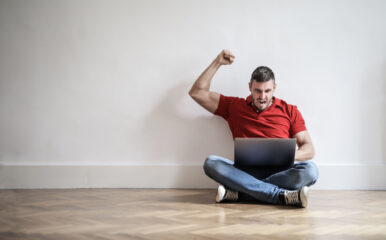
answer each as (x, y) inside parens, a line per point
(106, 82)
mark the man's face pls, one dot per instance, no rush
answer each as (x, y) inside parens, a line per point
(262, 93)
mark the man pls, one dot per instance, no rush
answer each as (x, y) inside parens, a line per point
(260, 115)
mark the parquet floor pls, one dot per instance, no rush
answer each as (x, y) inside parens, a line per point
(185, 214)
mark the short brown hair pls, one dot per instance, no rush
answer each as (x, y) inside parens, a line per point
(262, 74)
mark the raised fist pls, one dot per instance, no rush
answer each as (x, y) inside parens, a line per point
(225, 57)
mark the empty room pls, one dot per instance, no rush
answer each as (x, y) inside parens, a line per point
(192, 119)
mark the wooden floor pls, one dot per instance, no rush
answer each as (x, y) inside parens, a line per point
(185, 214)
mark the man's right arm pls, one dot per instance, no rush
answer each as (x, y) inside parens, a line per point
(200, 89)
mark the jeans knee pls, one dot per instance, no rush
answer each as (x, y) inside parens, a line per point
(211, 157)
(209, 164)
(216, 165)
(305, 174)
(312, 172)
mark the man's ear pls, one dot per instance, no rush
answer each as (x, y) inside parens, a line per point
(250, 86)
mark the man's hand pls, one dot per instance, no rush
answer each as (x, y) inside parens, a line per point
(225, 57)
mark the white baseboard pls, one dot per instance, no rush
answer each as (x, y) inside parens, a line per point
(354, 177)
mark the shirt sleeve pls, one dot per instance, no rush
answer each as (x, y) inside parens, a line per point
(223, 106)
(297, 122)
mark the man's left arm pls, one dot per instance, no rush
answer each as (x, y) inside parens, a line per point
(305, 149)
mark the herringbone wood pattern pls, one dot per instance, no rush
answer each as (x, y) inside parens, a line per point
(185, 214)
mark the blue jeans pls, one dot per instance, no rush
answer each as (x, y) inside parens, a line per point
(252, 187)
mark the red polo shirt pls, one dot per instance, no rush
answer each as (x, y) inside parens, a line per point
(280, 120)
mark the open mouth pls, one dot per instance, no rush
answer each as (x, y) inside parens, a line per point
(262, 102)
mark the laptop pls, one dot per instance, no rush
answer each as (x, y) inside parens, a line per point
(262, 157)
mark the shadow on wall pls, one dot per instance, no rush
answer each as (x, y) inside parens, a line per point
(173, 138)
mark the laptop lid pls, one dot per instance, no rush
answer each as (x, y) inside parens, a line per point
(265, 152)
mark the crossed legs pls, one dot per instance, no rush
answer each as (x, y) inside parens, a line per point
(267, 190)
